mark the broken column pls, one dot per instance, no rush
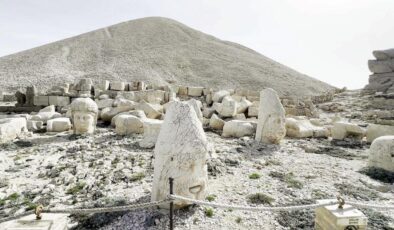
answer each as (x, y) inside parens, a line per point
(180, 152)
(271, 119)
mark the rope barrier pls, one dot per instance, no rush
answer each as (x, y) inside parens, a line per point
(281, 208)
(90, 210)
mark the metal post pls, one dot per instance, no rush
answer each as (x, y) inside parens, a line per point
(171, 180)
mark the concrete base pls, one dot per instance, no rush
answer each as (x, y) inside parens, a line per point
(49, 221)
(332, 218)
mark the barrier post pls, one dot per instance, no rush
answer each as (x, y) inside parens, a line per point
(171, 180)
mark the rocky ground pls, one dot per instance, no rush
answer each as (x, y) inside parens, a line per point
(63, 170)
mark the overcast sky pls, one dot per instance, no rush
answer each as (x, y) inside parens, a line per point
(330, 40)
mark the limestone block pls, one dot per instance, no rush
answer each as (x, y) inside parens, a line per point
(45, 114)
(128, 124)
(151, 132)
(59, 100)
(49, 221)
(195, 91)
(228, 107)
(10, 128)
(381, 153)
(374, 131)
(41, 100)
(240, 116)
(108, 113)
(243, 105)
(34, 126)
(207, 112)
(330, 217)
(182, 90)
(104, 103)
(219, 95)
(152, 111)
(118, 86)
(138, 113)
(385, 66)
(253, 110)
(300, 128)
(181, 152)
(60, 124)
(102, 85)
(50, 108)
(216, 123)
(383, 54)
(208, 99)
(271, 119)
(236, 128)
(341, 130)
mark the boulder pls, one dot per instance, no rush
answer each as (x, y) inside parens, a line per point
(383, 54)
(207, 112)
(253, 110)
(181, 152)
(243, 105)
(60, 124)
(46, 114)
(216, 123)
(384, 66)
(152, 111)
(240, 116)
(128, 124)
(380, 82)
(151, 132)
(236, 128)
(342, 130)
(34, 126)
(271, 127)
(123, 105)
(219, 95)
(138, 113)
(381, 153)
(105, 103)
(195, 91)
(228, 107)
(374, 131)
(300, 128)
(10, 128)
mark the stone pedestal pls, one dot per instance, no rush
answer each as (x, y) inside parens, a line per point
(49, 221)
(332, 218)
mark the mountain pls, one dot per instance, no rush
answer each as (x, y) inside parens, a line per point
(156, 50)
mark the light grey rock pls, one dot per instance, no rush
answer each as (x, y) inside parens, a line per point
(381, 153)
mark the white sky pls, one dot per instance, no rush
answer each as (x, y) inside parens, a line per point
(330, 40)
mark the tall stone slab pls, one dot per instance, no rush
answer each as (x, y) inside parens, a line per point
(180, 152)
(271, 126)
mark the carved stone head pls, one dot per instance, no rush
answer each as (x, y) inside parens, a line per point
(84, 113)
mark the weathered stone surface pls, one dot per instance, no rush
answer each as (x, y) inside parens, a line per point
(151, 132)
(46, 114)
(383, 54)
(218, 96)
(138, 113)
(10, 128)
(228, 107)
(84, 112)
(216, 123)
(341, 130)
(41, 100)
(207, 112)
(20, 98)
(197, 107)
(253, 110)
(118, 86)
(381, 153)
(102, 85)
(181, 151)
(385, 66)
(59, 100)
(152, 111)
(31, 92)
(104, 103)
(128, 124)
(195, 91)
(301, 128)
(243, 105)
(34, 126)
(236, 128)
(271, 123)
(60, 124)
(240, 116)
(374, 131)
(182, 91)
(380, 82)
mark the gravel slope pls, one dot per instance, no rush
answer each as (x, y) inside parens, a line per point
(157, 50)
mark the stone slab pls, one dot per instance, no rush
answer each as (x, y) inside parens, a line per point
(41, 100)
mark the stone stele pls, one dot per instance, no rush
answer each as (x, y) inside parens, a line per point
(84, 113)
(181, 151)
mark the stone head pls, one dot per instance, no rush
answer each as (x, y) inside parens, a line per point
(84, 115)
